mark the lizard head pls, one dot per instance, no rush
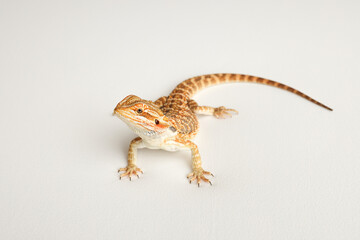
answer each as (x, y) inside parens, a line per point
(144, 117)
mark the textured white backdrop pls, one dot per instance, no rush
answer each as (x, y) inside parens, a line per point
(284, 168)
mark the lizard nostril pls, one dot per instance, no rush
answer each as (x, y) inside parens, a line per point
(157, 122)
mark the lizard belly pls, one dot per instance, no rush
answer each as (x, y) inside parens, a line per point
(164, 145)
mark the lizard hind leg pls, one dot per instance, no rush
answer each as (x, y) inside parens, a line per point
(219, 112)
(222, 112)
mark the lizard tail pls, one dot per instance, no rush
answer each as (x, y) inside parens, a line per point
(191, 86)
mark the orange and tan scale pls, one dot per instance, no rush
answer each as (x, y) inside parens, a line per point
(170, 123)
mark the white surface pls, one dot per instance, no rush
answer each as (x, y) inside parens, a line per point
(285, 168)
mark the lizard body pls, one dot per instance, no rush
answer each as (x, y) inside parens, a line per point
(170, 123)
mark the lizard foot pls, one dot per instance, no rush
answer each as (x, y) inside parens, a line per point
(130, 170)
(222, 112)
(199, 175)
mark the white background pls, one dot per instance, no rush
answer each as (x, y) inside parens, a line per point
(284, 168)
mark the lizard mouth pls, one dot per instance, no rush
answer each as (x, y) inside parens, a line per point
(116, 114)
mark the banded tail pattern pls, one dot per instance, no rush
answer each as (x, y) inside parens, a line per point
(186, 89)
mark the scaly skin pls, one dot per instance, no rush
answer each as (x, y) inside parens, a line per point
(170, 122)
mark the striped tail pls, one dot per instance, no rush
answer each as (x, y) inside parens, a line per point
(191, 86)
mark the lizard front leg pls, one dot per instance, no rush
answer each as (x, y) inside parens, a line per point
(198, 173)
(219, 112)
(131, 168)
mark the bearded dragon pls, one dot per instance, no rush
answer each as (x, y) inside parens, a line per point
(170, 123)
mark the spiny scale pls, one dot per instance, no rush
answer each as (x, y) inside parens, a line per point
(170, 122)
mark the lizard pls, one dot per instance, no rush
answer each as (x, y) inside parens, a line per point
(170, 123)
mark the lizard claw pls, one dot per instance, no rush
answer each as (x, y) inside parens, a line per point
(129, 171)
(222, 112)
(198, 175)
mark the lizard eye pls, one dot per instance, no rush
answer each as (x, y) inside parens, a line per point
(157, 122)
(139, 110)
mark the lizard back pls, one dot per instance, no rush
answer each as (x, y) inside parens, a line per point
(176, 105)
